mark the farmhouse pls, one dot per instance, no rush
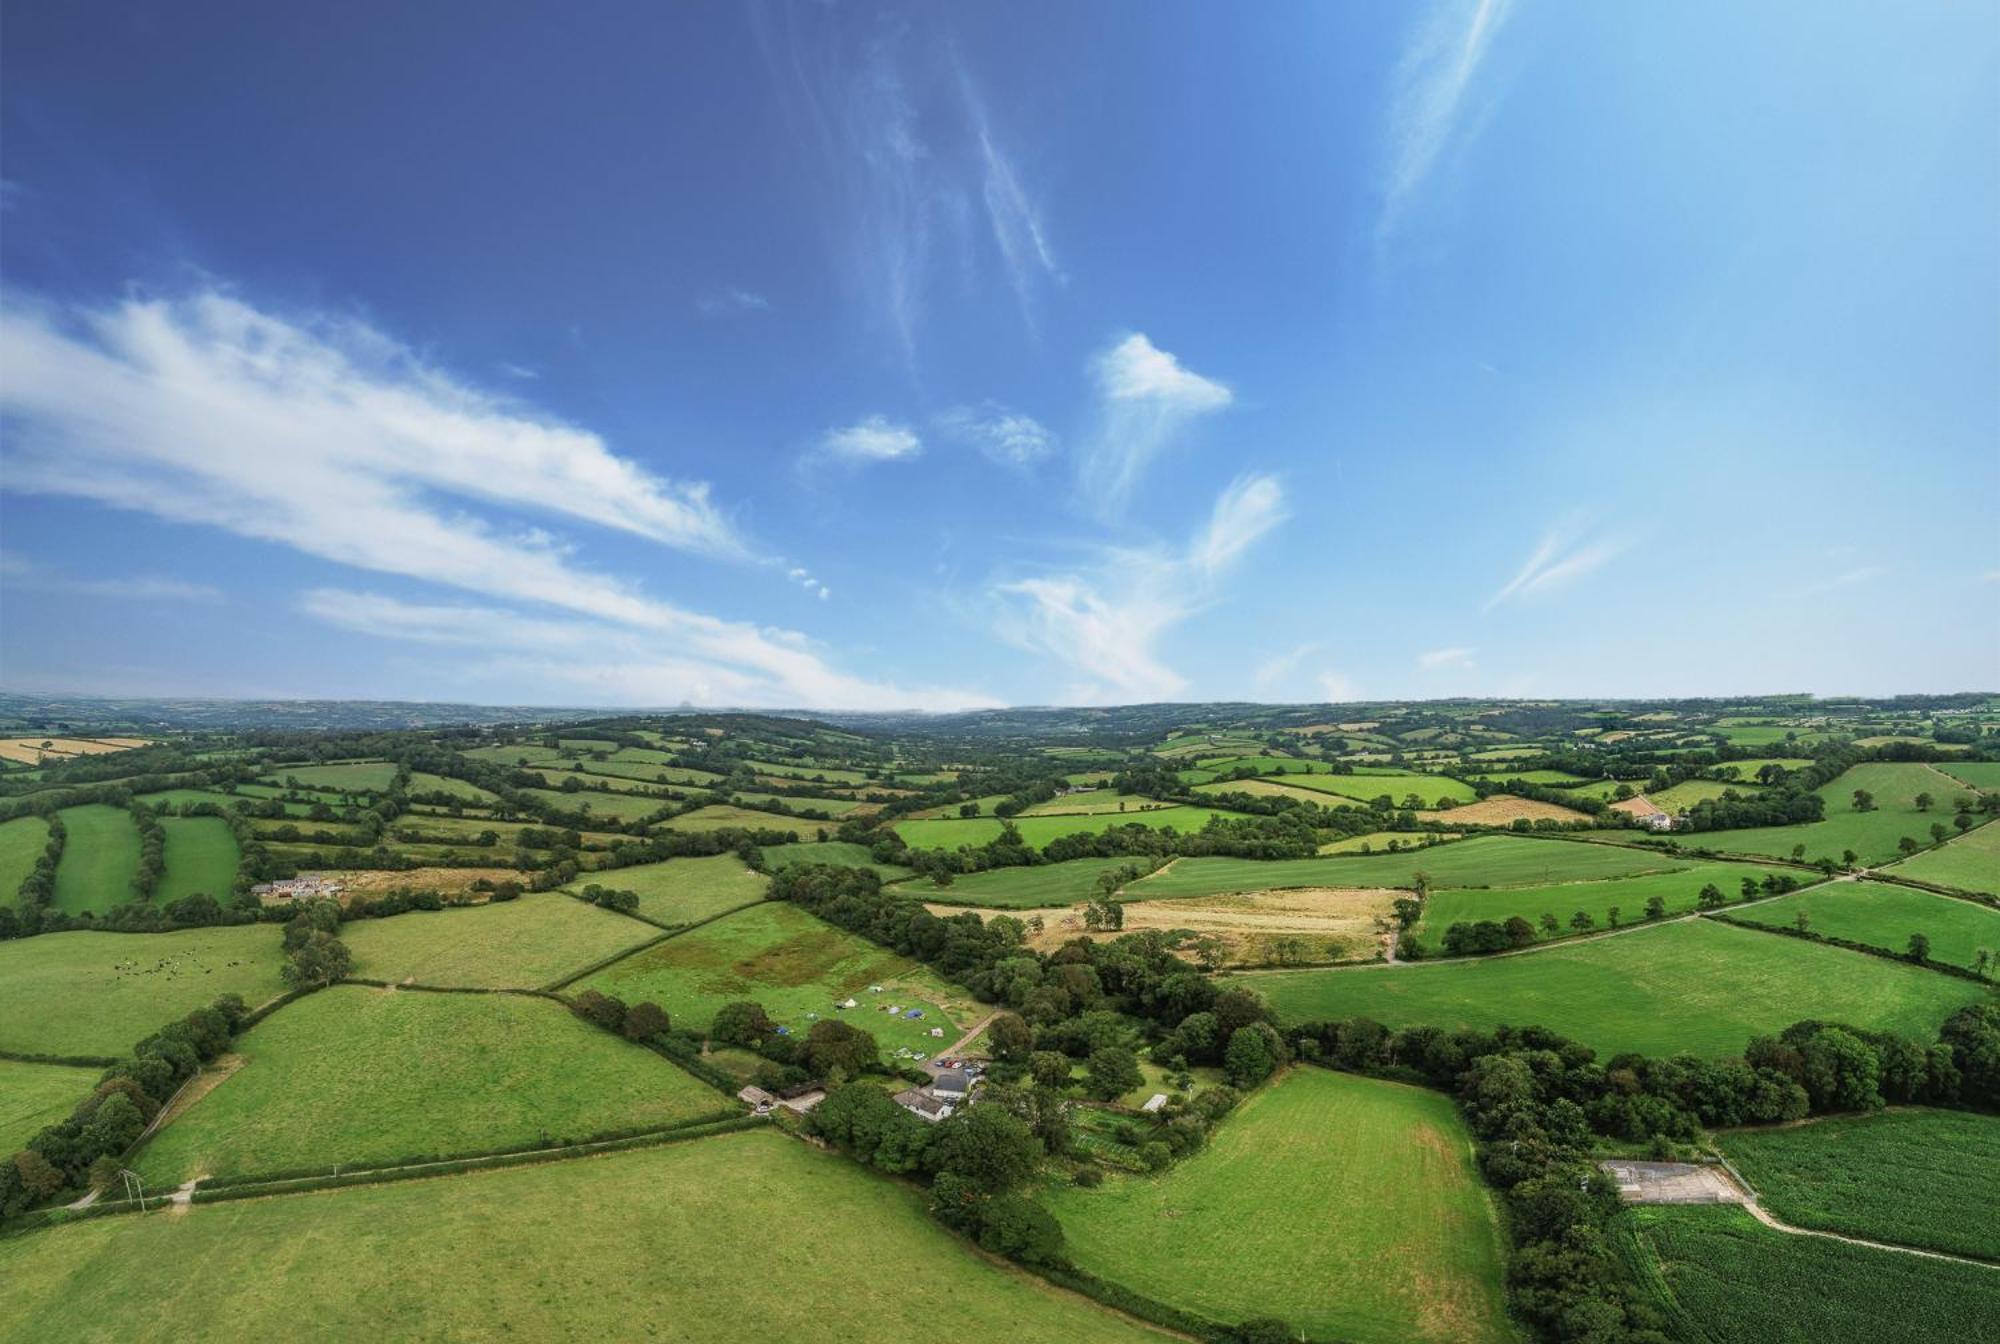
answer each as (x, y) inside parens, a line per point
(923, 1105)
(297, 888)
(953, 1084)
(1644, 810)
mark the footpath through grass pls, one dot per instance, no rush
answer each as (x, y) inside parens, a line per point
(100, 994)
(367, 1076)
(1883, 915)
(518, 944)
(1728, 1279)
(1345, 1206)
(1697, 986)
(713, 1241)
(1912, 1177)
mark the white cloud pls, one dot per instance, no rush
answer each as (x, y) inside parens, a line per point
(1106, 620)
(1434, 659)
(1275, 672)
(331, 439)
(21, 573)
(724, 302)
(1559, 559)
(1336, 688)
(1004, 436)
(876, 439)
(1014, 217)
(1428, 97)
(521, 371)
(1147, 396)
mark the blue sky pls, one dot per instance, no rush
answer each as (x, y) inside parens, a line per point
(853, 356)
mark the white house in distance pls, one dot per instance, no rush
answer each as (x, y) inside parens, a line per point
(1645, 811)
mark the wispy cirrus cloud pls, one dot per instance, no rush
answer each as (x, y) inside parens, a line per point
(1006, 436)
(729, 300)
(1146, 396)
(1105, 620)
(1433, 660)
(1428, 96)
(1015, 218)
(1559, 559)
(1845, 579)
(875, 439)
(21, 573)
(328, 437)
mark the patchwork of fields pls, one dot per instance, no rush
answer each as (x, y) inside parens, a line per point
(1874, 835)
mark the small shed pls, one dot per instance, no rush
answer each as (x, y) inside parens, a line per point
(1155, 1102)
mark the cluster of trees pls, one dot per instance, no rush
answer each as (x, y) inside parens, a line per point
(625, 902)
(831, 1051)
(1782, 805)
(84, 1149)
(643, 1021)
(314, 955)
(152, 852)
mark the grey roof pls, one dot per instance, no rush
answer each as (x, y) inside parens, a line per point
(952, 1080)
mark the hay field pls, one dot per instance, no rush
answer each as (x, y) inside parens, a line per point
(32, 750)
(1501, 809)
(1258, 928)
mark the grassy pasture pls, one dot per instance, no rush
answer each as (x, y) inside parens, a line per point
(99, 859)
(839, 853)
(513, 753)
(722, 816)
(342, 777)
(1684, 795)
(366, 1075)
(1882, 915)
(1021, 888)
(623, 807)
(1376, 842)
(423, 782)
(519, 944)
(595, 782)
(1491, 860)
(809, 773)
(618, 768)
(952, 832)
(1974, 774)
(201, 856)
(92, 993)
(22, 841)
(1554, 779)
(683, 891)
(1397, 784)
(1247, 1227)
(1730, 1280)
(1678, 889)
(1094, 801)
(1698, 986)
(1898, 1176)
(794, 964)
(691, 1236)
(1871, 835)
(1971, 862)
(1269, 788)
(1747, 769)
(33, 1096)
(833, 807)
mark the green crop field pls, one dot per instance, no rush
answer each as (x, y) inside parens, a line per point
(1975, 774)
(793, 963)
(1730, 1280)
(1551, 778)
(1884, 916)
(1291, 1208)
(836, 852)
(683, 891)
(519, 944)
(1871, 835)
(952, 832)
(695, 1236)
(1492, 860)
(1971, 862)
(1397, 785)
(421, 782)
(102, 993)
(201, 857)
(99, 859)
(623, 806)
(22, 841)
(1898, 1176)
(1020, 888)
(358, 1075)
(1679, 889)
(721, 816)
(1697, 986)
(33, 1096)
(344, 777)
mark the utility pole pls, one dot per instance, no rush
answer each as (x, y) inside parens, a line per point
(132, 1179)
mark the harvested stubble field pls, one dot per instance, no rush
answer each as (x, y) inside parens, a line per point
(30, 750)
(1503, 809)
(797, 966)
(93, 993)
(683, 891)
(1345, 1206)
(1897, 1176)
(705, 1224)
(1730, 1280)
(1696, 986)
(359, 1075)
(518, 944)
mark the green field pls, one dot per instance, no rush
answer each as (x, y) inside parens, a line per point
(421, 782)
(1898, 1176)
(344, 777)
(830, 774)
(1377, 842)
(721, 816)
(1491, 860)
(1094, 801)
(622, 806)
(836, 852)
(1679, 889)
(33, 1096)
(1871, 835)
(1976, 774)
(99, 858)
(101, 993)
(1688, 792)
(357, 1075)
(1747, 769)
(201, 857)
(1730, 1280)
(1347, 1207)
(793, 963)
(953, 832)
(513, 753)
(701, 1239)
(22, 841)
(1970, 862)
(1884, 916)
(1696, 986)
(519, 944)
(1551, 778)
(683, 891)
(1362, 788)
(1020, 888)
(833, 807)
